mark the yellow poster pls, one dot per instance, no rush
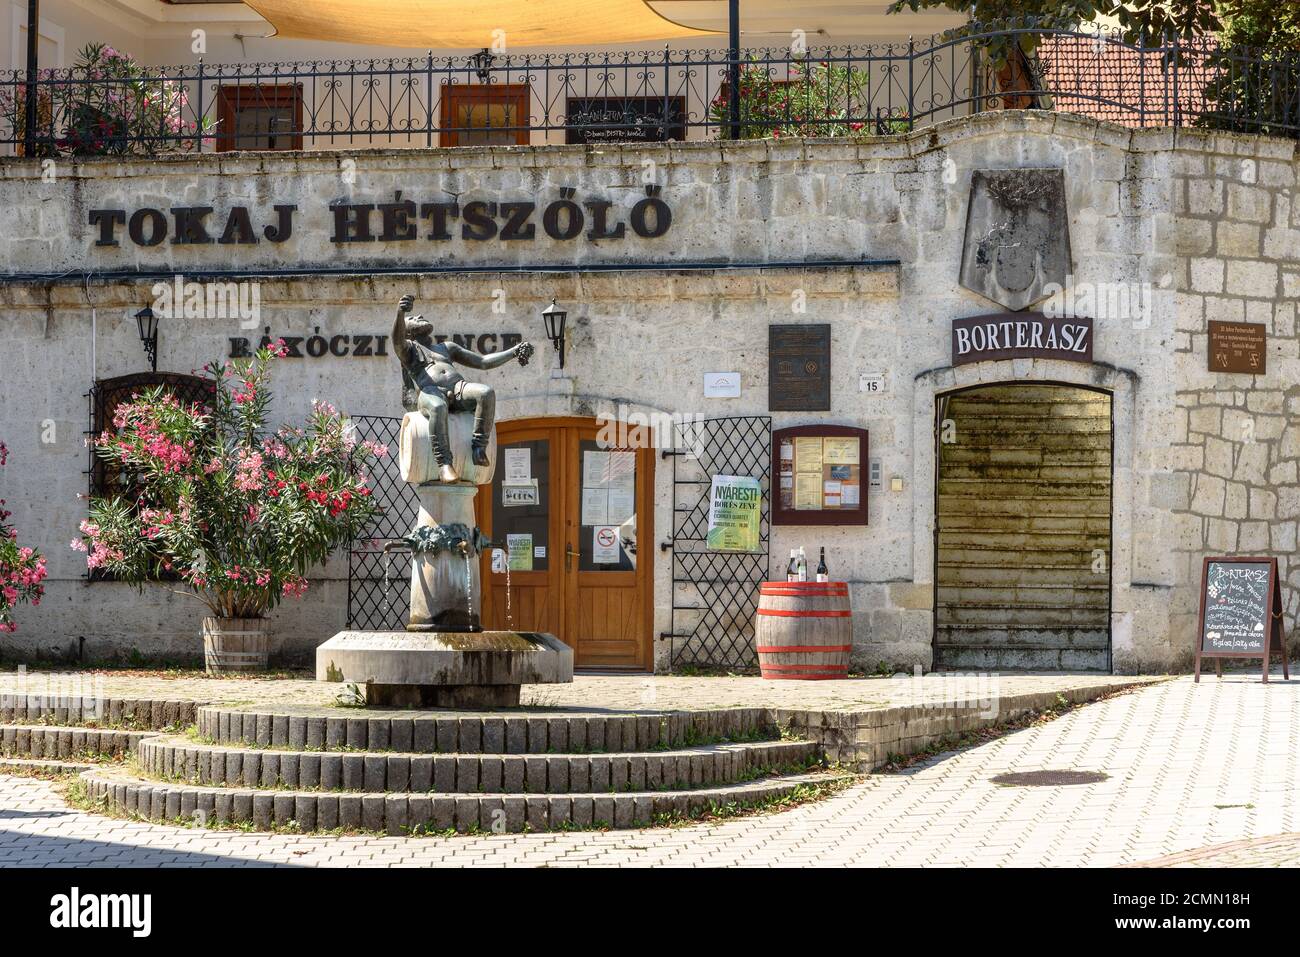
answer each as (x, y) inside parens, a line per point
(808, 454)
(840, 451)
(808, 490)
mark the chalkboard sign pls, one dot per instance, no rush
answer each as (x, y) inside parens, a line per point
(1241, 612)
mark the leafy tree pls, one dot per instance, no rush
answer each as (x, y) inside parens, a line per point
(1256, 82)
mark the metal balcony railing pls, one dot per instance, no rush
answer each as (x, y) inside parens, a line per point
(115, 107)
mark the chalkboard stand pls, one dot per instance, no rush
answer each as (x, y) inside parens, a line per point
(1276, 642)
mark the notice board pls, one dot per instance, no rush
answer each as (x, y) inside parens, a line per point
(1241, 612)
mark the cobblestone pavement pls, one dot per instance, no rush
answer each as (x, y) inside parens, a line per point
(1280, 850)
(1190, 766)
(615, 692)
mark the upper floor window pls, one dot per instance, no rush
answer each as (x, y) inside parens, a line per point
(484, 114)
(259, 117)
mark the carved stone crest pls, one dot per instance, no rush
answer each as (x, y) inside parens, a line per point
(1017, 236)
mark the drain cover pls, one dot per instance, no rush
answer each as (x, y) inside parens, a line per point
(1040, 779)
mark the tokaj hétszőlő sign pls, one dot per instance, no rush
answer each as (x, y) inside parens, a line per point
(1241, 611)
(1021, 336)
(735, 503)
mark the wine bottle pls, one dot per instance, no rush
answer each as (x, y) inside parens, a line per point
(802, 573)
(823, 574)
(792, 570)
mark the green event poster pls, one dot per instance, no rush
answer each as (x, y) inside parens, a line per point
(735, 504)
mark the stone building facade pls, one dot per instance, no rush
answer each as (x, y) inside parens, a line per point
(866, 237)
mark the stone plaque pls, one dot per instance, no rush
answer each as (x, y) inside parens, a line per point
(799, 368)
(1238, 347)
(1017, 236)
(1020, 335)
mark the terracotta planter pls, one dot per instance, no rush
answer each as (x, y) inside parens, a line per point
(234, 645)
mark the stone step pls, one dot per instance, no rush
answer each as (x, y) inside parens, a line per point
(48, 741)
(397, 814)
(503, 732)
(93, 711)
(179, 759)
(1024, 596)
(971, 575)
(999, 489)
(984, 658)
(57, 767)
(1023, 456)
(984, 524)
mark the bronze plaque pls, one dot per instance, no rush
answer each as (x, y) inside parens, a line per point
(1021, 335)
(799, 368)
(1238, 347)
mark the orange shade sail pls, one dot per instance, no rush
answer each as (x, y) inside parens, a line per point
(470, 24)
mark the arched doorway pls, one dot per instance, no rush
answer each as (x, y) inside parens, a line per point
(573, 516)
(1023, 527)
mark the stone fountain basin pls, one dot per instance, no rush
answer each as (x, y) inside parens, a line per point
(440, 668)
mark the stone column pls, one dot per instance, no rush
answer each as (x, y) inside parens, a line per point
(445, 585)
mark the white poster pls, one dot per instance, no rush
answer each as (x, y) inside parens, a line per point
(595, 469)
(604, 545)
(519, 467)
(595, 506)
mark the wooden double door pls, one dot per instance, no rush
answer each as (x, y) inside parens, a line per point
(570, 519)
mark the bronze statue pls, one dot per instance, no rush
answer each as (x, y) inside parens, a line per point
(431, 384)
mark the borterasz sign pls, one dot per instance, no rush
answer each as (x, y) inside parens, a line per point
(1020, 335)
(569, 217)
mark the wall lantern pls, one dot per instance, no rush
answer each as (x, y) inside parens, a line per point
(553, 317)
(482, 63)
(148, 324)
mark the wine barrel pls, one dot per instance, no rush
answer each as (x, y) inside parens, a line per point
(804, 630)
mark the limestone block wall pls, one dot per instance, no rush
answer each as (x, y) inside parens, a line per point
(1144, 209)
(1229, 476)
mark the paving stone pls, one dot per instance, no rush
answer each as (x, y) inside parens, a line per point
(401, 734)
(643, 810)
(354, 772)
(422, 772)
(614, 735)
(304, 811)
(516, 735)
(467, 774)
(444, 812)
(372, 812)
(331, 771)
(336, 733)
(424, 735)
(350, 812)
(537, 738)
(602, 810)
(596, 734)
(375, 775)
(580, 774)
(493, 736)
(263, 811)
(618, 773)
(466, 814)
(448, 735)
(399, 773)
(599, 776)
(309, 770)
(513, 770)
(470, 735)
(357, 734)
(252, 776)
(263, 723)
(557, 736)
(379, 734)
(535, 775)
(395, 814)
(538, 813)
(316, 733)
(577, 734)
(623, 809)
(492, 815)
(490, 775)
(327, 812)
(444, 773)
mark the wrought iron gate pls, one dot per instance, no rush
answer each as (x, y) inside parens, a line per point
(715, 594)
(372, 604)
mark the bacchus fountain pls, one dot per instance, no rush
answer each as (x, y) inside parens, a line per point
(448, 449)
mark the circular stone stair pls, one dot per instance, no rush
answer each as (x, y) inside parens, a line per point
(413, 772)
